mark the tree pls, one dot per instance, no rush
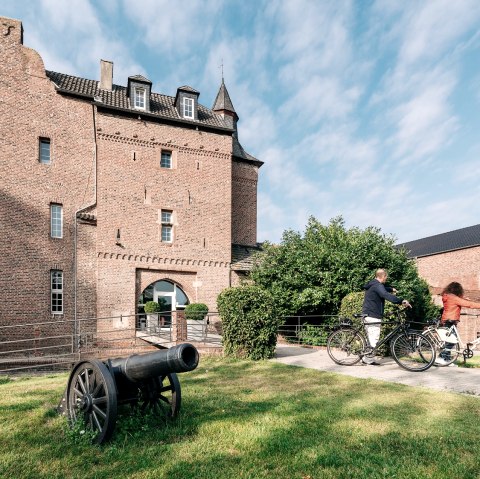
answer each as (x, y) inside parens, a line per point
(313, 272)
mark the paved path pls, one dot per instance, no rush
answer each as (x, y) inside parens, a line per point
(460, 380)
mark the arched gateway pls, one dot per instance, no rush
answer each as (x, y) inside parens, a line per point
(168, 294)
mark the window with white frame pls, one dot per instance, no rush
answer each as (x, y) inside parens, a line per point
(56, 291)
(139, 98)
(44, 150)
(167, 226)
(188, 107)
(166, 159)
(56, 220)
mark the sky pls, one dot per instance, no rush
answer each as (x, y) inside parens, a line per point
(369, 110)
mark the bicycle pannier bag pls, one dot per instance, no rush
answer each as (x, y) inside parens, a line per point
(444, 334)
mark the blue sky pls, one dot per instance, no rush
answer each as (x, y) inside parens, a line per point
(365, 109)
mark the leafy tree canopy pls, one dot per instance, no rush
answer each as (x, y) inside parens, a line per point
(313, 272)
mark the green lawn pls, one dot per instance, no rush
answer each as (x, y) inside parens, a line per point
(243, 419)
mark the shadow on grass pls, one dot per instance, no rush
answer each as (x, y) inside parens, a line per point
(253, 420)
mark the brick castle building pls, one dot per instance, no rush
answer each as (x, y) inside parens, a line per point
(113, 195)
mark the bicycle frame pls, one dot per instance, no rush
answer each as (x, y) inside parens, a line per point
(349, 343)
(401, 327)
(452, 330)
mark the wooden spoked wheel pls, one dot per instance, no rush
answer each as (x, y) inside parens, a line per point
(161, 395)
(92, 397)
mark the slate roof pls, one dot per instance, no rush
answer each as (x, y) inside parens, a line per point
(239, 152)
(139, 78)
(451, 241)
(189, 88)
(242, 256)
(223, 101)
(161, 106)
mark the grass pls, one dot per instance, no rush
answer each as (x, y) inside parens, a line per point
(473, 362)
(242, 419)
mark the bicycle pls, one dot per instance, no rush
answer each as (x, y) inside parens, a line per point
(447, 342)
(410, 349)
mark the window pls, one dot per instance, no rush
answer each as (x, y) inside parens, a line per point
(44, 150)
(56, 221)
(169, 295)
(56, 289)
(166, 159)
(139, 98)
(167, 226)
(188, 107)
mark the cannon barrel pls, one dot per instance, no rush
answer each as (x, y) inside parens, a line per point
(137, 368)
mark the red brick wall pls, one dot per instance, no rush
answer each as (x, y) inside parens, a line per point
(212, 197)
(462, 266)
(244, 201)
(30, 108)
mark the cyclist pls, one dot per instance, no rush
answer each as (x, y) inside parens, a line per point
(373, 305)
(453, 300)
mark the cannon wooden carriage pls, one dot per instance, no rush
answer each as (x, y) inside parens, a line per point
(148, 382)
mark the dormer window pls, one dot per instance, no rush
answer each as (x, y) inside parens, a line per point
(139, 98)
(186, 102)
(138, 91)
(188, 107)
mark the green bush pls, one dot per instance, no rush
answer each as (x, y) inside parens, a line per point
(152, 307)
(250, 321)
(313, 335)
(352, 304)
(196, 311)
(310, 272)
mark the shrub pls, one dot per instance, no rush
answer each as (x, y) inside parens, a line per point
(352, 304)
(313, 335)
(250, 321)
(310, 272)
(196, 311)
(152, 307)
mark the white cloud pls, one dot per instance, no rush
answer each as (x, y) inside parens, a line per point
(425, 122)
(433, 27)
(173, 26)
(321, 98)
(312, 36)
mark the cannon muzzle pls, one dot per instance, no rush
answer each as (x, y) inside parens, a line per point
(137, 368)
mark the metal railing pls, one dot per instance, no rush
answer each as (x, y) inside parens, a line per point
(314, 330)
(54, 345)
(307, 330)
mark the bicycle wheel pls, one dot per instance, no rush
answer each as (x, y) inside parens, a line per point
(449, 355)
(345, 346)
(413, 351)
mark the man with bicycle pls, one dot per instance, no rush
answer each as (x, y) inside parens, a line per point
(373, 306)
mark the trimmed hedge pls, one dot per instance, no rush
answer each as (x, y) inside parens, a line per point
(196, 311)
(152, 307)
(250, 321)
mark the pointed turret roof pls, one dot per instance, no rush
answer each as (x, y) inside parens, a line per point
(223, 101)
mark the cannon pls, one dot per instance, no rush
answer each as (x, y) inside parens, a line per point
(148, 382)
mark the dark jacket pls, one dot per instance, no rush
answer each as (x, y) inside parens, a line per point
(375, 295)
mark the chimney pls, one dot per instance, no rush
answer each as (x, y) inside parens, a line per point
(106, 75)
